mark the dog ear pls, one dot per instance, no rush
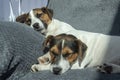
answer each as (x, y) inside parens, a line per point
(82, 49)
(48, 11)
(22, 18)
(46, 43)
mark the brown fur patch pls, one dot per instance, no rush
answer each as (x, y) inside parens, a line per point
(67, 50)
(66, 37)
(53, 53)
(72, 50)
(24, 18)
(82, 47)
(70, 56)
(43, 15)
(55, 50)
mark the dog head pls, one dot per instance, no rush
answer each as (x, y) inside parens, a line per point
(64, 51)
(38, 19)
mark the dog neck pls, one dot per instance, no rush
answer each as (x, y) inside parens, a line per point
(52, 27)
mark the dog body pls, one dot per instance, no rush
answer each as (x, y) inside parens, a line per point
(103, 51)
(101, 48)
(57, 27)
(41, 20)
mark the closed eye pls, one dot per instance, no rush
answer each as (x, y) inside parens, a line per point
(54, 53)
(39, 15)
(28, 21)
(67, 54)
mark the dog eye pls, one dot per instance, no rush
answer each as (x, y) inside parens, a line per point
(67, 54)
(29, 20)
(55, 54)
(39, 15)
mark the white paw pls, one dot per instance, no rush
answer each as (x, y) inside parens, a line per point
(35, 68)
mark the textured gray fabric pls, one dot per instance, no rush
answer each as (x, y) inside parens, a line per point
(20, 47)
(102, 16)
(86, 74)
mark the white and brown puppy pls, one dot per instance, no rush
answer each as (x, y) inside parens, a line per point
(41, 19)
(38, 19)
(67, 52)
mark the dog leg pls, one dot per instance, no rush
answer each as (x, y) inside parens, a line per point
(45, 59)
(44, 63)
(40, 67)
(108, 68)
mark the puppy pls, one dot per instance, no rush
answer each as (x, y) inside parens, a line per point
(65, 52)
(41, 19)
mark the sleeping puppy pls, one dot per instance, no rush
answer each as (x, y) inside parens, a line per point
(65, 52)
(41, 19)
(68, 52)
(38, 19)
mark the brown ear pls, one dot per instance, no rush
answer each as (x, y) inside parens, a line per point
(22, 18)
(82, 49)
(46, 43)
(48, 11)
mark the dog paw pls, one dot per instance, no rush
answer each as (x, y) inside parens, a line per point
(43, 60)
(34, 68)
(105, 68)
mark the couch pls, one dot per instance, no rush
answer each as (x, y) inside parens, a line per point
(20, 45)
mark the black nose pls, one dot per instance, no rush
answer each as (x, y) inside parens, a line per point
(57, 70)
(36, 25)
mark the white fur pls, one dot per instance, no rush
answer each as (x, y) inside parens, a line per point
(34, 20)
(99, 45)
(63, 64)
(101, 48)
(57, 27)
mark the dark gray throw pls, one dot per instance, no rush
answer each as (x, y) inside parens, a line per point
(20, 46)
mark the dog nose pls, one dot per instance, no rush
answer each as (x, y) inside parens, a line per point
(36, 25)
(57, 70)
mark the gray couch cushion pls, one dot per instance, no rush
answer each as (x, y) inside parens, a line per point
(102, 16)
(20, 46)
(86, 74)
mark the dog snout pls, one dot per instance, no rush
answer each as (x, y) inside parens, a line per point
(57, 70)
(36, 25)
